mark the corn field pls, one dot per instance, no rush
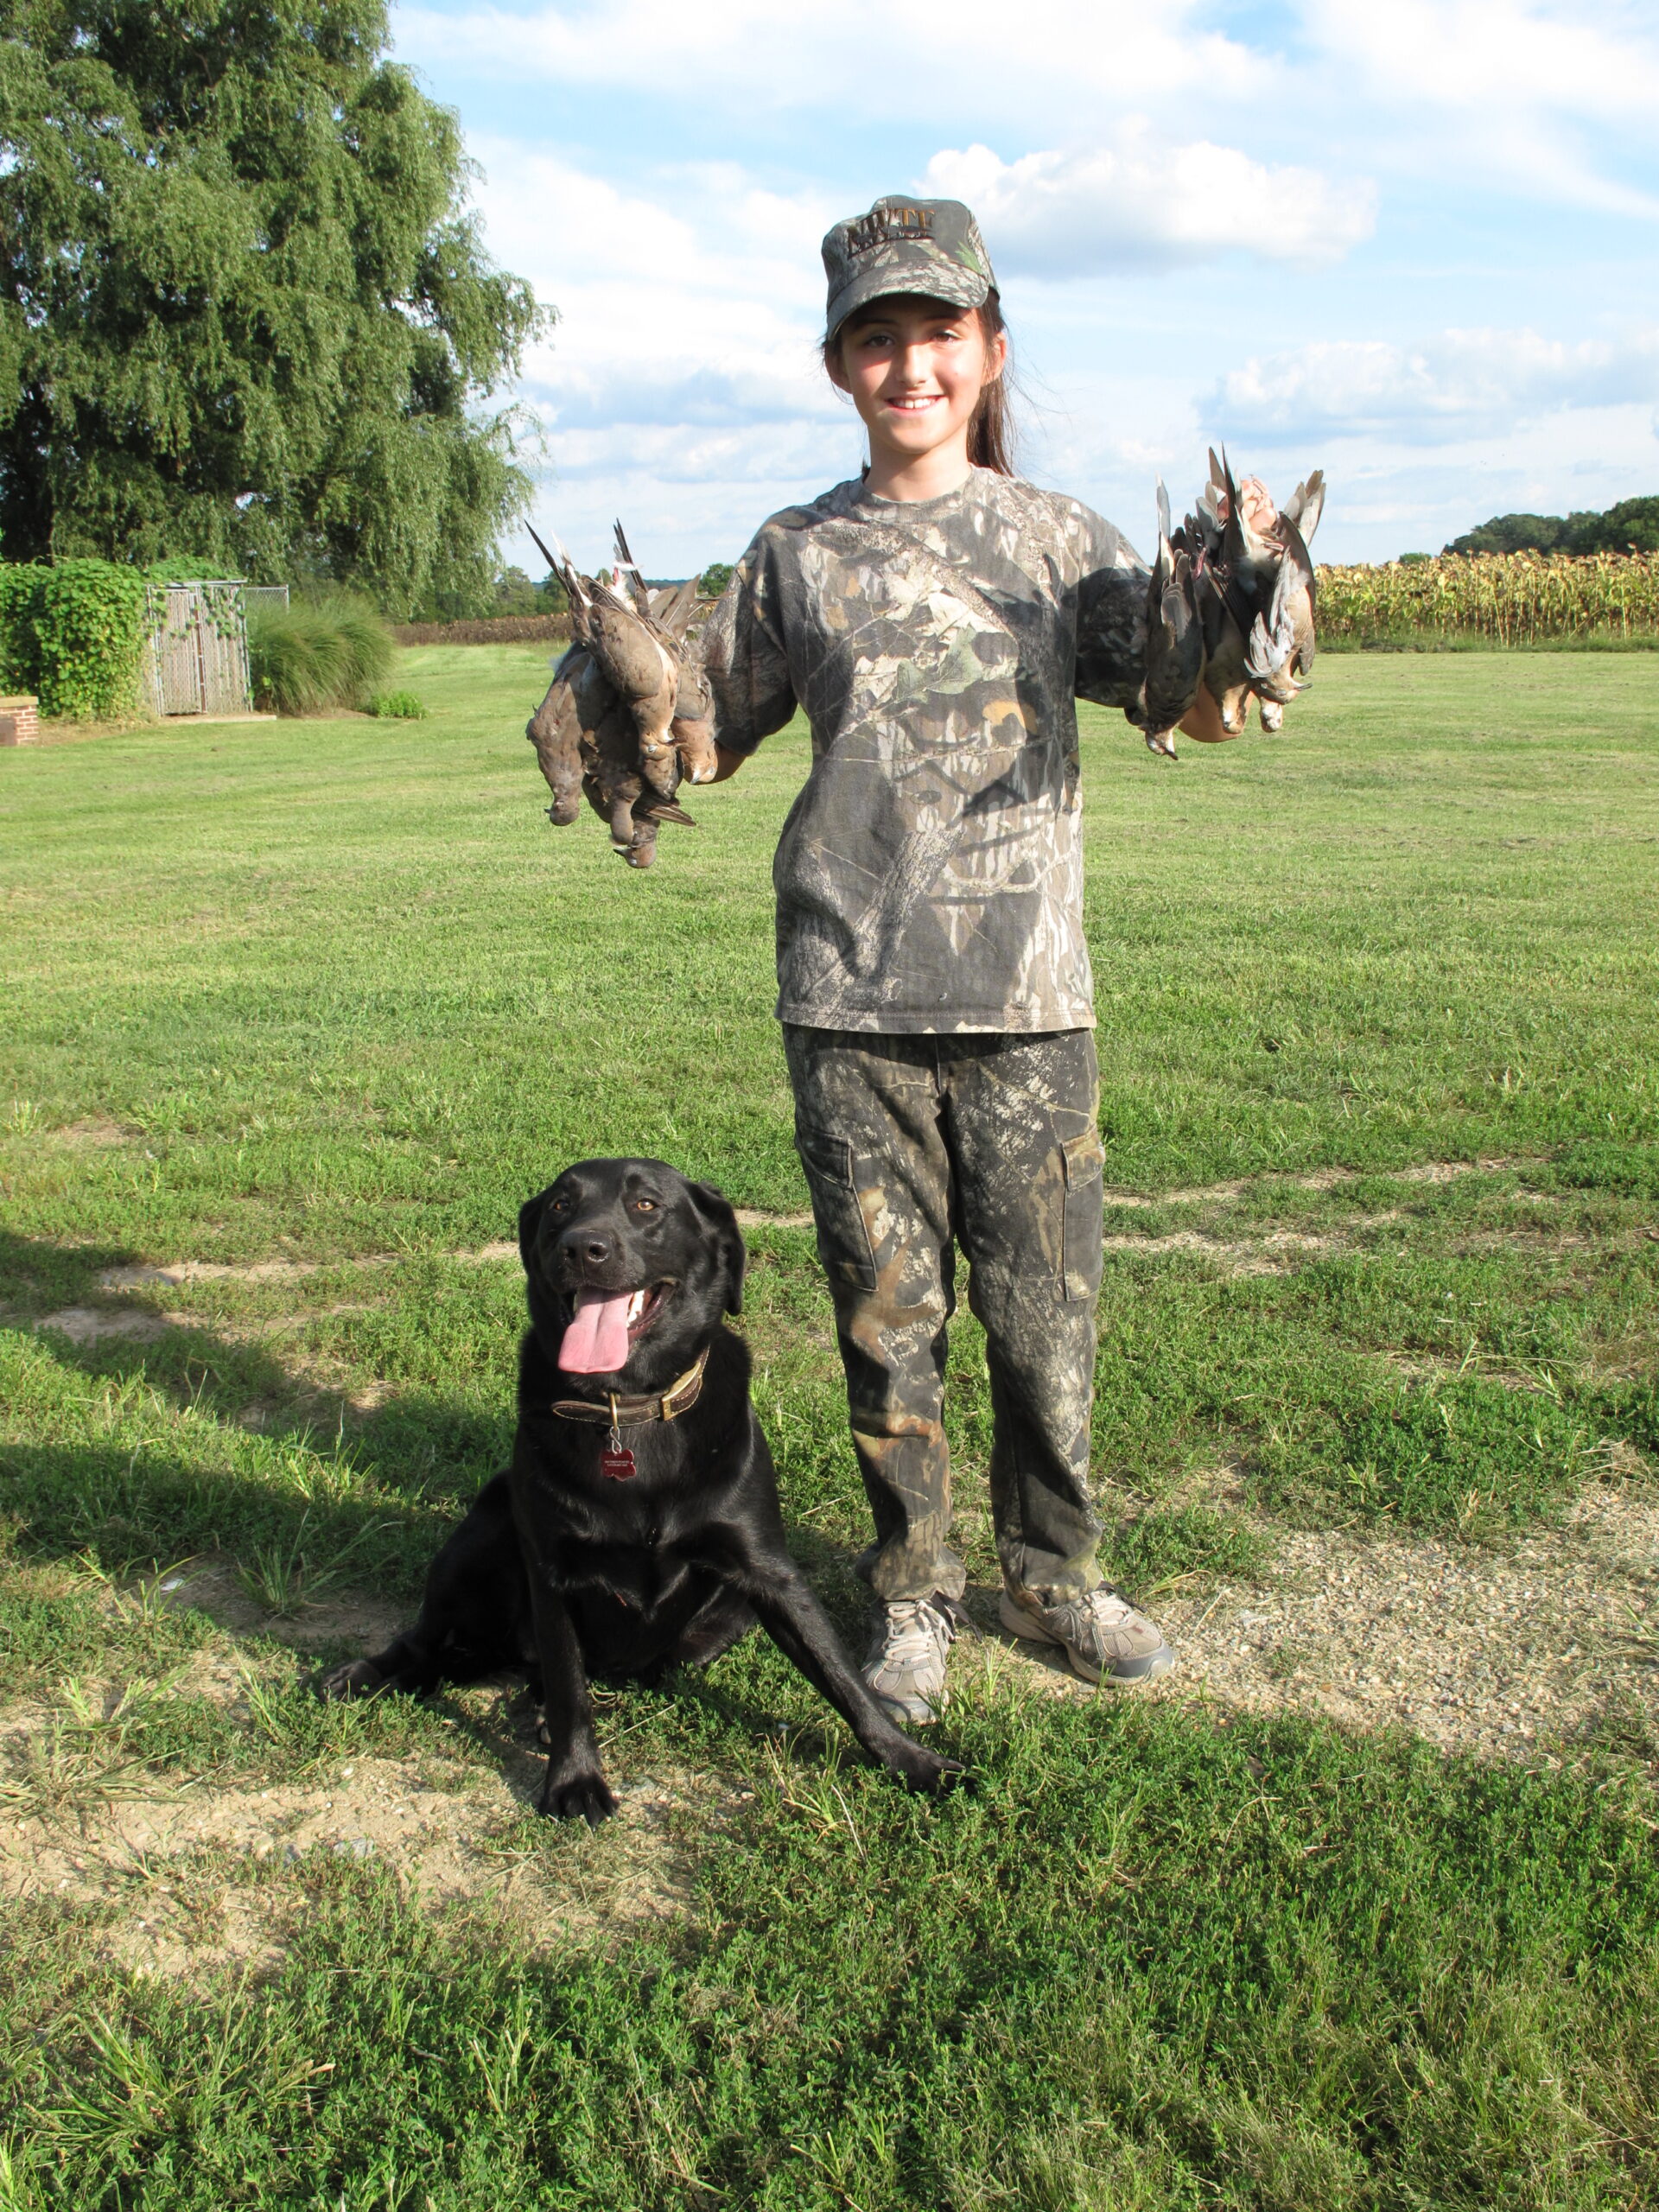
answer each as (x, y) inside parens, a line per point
(1511, 599)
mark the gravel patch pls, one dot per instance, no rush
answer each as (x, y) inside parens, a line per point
(1498, 1653)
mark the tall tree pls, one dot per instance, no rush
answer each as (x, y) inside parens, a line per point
(244, 312)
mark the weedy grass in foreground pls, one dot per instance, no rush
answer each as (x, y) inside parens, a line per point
(1262, 1965)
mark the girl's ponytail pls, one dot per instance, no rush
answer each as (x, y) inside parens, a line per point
(990, 434)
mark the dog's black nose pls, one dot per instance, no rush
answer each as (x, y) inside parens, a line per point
(586, 1244)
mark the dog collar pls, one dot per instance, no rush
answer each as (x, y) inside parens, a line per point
(614, 1413)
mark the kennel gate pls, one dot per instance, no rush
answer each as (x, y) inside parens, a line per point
(197, 658)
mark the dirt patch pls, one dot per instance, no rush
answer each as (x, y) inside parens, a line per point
(179, 1272)
(1322, 1178)
(1272, 1254)
(183, 1271)
(94, 1134)
(1425, 1367)
(189, 1880)
(90, 1324)
(1497, 1653)
(180, 1876)
(212, 1584)
(174, 1274)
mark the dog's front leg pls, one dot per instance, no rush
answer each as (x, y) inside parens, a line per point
(804, 1632)
(573, 1788)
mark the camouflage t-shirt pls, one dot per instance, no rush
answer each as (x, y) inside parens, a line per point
(929, 874)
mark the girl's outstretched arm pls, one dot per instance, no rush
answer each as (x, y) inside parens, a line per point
(746, 666)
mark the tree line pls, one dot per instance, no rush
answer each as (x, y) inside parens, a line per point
(245, 315)
(1631, 526)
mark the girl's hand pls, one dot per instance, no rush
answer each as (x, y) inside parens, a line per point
(1255, 506)
(1202, 719)
(729, 764)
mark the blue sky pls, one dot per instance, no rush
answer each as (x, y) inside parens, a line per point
(1415, 243)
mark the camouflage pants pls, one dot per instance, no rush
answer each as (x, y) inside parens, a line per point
(915, 1146)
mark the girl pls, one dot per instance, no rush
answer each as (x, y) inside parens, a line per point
(937, 622)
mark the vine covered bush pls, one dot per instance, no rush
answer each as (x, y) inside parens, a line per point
(1505, 598)
(74, 633)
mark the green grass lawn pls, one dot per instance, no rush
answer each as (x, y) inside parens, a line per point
(327, 1000)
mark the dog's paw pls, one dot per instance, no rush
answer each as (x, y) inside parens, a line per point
(356, 1678)
(922, 1770)
(577, 1797)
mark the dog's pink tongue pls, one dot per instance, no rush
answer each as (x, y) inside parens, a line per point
(596, 1341)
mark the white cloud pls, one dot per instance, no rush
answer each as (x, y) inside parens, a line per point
(1548, 98)
(660, 318)
(683, 454)
(1143, 202)
(1482, 53)
(681, 386)
(864, 57)
(1459, 384)
(1206, 171)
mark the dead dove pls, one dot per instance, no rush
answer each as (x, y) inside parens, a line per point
(1175, 650)
(639, 668)
(1256, 591)
(668, 614)
(693, 724)
(639, 662)
(1279, 655)
(555, 730)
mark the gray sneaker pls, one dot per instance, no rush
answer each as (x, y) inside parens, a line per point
(905, 1664)
(1102, 1634)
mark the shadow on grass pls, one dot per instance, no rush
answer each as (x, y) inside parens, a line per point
(163, 1461)
(321, 1516)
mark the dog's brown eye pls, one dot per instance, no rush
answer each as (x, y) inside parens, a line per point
(645, 1205)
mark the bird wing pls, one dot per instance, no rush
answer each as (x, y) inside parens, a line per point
(627, 573)
(1307, 503)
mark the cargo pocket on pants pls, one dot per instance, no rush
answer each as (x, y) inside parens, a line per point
(1080, 1259)
(844, 1236)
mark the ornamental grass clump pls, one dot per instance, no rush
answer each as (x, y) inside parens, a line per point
(330, 651)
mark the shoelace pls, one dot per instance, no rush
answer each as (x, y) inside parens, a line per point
(916, 1632)
(1103, 1603)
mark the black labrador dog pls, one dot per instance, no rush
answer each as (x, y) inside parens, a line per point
(638, 1526)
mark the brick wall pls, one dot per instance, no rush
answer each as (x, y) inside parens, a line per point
(20, 719)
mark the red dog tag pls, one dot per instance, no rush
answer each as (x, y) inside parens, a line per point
(617, 1461)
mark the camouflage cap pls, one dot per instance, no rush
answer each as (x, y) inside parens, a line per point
(930, 246)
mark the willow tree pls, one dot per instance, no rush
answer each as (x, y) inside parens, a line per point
(244, 314)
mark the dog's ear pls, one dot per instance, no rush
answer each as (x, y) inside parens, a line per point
(529, 1220)
(716, 1210)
